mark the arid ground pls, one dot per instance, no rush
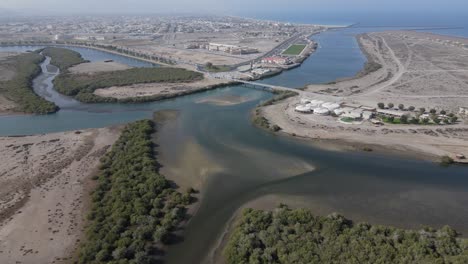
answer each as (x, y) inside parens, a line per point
(417, 69)
(44, 184)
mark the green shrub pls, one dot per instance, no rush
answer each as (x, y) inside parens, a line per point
(297, 236)
(19, 89)
(63, 58)
(134, 209)
(82, 86)
(446, 160)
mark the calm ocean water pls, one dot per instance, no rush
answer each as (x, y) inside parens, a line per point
(457, 23)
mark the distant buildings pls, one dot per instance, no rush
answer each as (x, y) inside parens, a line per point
(231, 49)
(276, 60)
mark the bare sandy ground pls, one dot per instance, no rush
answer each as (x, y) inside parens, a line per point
(226, 100)
(96, 67)
(43, 185)
(153, 89)
(432, 141)
(418, 69)
(173, 46)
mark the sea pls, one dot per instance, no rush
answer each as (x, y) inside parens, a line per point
(452, 24)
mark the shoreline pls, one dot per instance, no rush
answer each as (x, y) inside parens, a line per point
(423, 142)
(340, 145)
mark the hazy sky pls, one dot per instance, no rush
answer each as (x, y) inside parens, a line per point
(235, 6)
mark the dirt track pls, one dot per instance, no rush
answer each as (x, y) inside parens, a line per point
(417, 69)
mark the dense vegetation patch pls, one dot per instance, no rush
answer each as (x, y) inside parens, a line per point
(259, 120)
(295, 49)
(297, 236)
(134, 209)
(63, 58)
(210, 67)
(82, 86)
(19, 89)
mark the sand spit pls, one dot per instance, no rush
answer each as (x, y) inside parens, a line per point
(226, 100)
(96, 67)
(43, 186)
(157, 89)
(432, 141)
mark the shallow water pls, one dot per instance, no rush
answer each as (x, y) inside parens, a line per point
(363, 186)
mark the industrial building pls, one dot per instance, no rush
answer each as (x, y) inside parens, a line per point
(231, 49)
(277, 60)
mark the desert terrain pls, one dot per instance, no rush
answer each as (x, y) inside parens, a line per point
(416, 69)
(48, 177)
(419, 69)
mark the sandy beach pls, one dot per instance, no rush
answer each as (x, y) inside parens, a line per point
(47, 177)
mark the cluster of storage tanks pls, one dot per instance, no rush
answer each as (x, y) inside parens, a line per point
(317, 107)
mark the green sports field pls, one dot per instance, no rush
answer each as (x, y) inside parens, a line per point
(295, 49)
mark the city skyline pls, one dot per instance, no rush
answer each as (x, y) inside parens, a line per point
(229, 7)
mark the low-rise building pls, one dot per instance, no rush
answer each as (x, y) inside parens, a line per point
(231, 49)
(276, 60)
(321, 111)
(303, 109)
(393, 113)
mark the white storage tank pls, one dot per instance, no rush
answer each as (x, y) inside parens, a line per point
(303, 109)
(321, 111)
(331, 106)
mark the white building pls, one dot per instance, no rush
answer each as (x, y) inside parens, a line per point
(331, 106)
(276, 60)
(303, 109)
(321, 111)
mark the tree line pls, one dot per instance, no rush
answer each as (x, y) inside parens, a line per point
(134, 209)
(19, 89)
(63, 58)
(82, 86)
(297, 236)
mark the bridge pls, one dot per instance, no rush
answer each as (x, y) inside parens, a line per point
(268, 86)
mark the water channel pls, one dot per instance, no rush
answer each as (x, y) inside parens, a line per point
(237, 162)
